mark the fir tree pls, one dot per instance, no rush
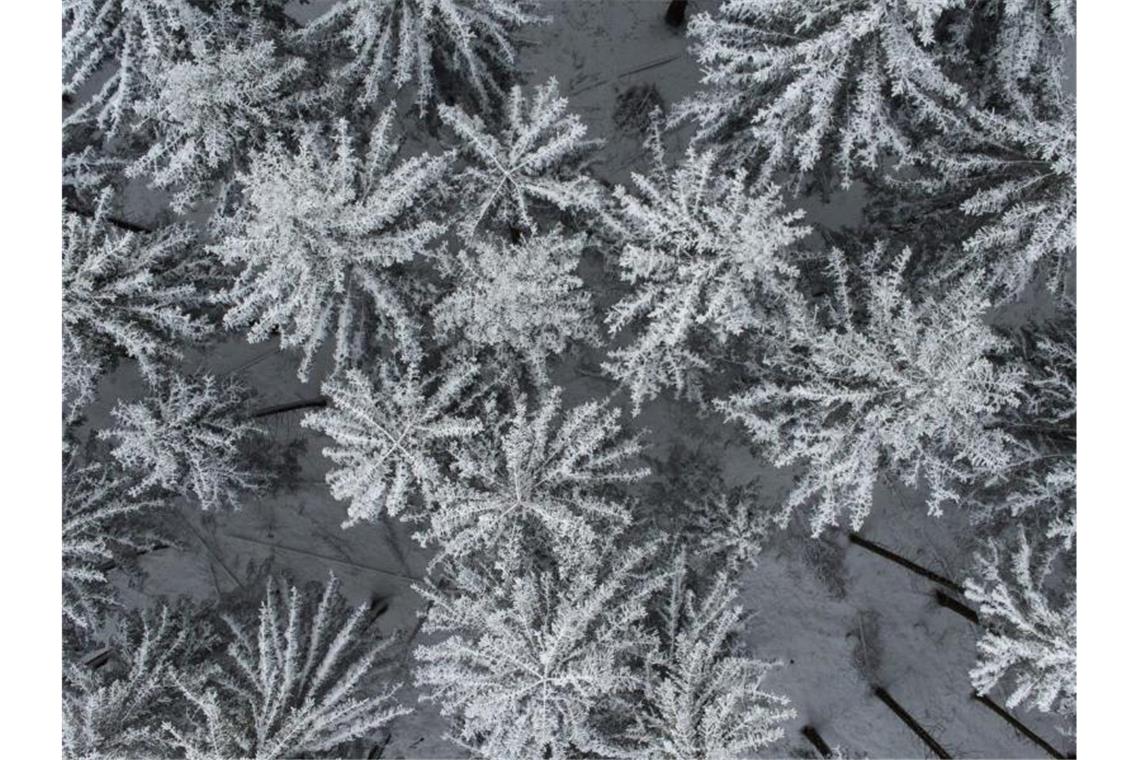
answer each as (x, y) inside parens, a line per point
(822, 85)
(533, 160)
(1046, 494)
(530, 659)
(703, 698)
(1028, 43)
(544, 471)
(291, 685)
(125, 294)
(522, 298)
(893, 385)
(325, 238)
(189, 440)
(393, 43)
(1030, 639)
(1017, 174)
(87, 171)
(708, 259)
(389, 435)
(731, 527)
(103, 525)
(118, 709)
(138, 38)
(207, 113)
(1039, 485)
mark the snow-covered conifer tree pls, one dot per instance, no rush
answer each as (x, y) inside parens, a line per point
(529, 659)
(138, 38)
(324, 238)
(118, 709)
(1018, 173)
(1053, 383)
(707, 257)
(731, 527)
(125, 294)
(1029, 40)
(102, 526)
(910, 388)
(208, 112)
(1046, 495)
(290, 685)
(389, 434)
(822, 85)
(1030, 639)
(535, 159)
(1039, 485)
(87, 171)
(523, 298)
(393, 43)
(543, 470)
(188, 440)
(704, 699)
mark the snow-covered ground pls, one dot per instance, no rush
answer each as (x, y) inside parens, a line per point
(812, 606)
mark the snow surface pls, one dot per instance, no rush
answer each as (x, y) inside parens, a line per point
(805, 611)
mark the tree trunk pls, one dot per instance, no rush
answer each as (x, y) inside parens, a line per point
(98, 659)
(888, 554)
(310, 403)
(377, 750)
(817, 741)
(675, 13)
(1025, 731)
(910, 722)
(122, 224)
(950, 603)
(377, 607)
(110, 564)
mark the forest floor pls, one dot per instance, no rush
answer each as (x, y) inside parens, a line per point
(835, 614)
